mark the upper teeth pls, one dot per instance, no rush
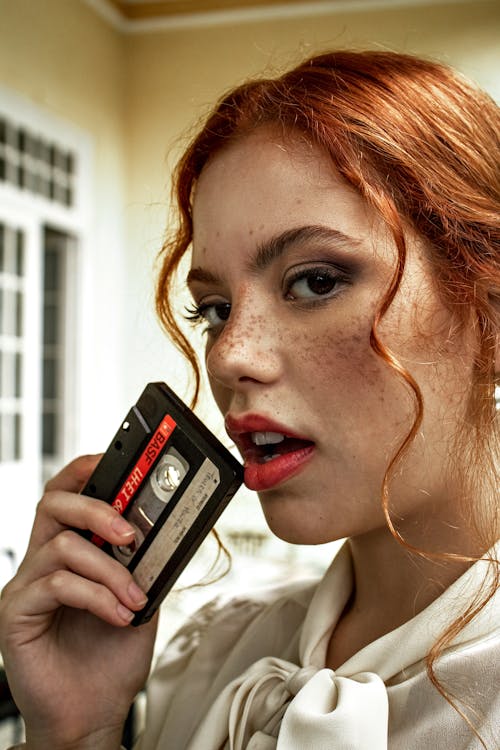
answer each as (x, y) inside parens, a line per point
(267, 438)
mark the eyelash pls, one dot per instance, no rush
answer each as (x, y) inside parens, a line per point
(195, 313)
(335, 276)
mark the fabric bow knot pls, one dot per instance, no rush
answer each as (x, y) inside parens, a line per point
(307, 707)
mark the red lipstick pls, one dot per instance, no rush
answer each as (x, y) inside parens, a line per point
(272, 453)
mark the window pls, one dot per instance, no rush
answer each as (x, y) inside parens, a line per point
(36, 164)
(12, 301)
(45, 168)
(58, 256)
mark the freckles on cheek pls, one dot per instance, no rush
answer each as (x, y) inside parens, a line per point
(340, 357)
(360, 390)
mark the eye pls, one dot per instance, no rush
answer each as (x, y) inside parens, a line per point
(312, 283)
(214, 315)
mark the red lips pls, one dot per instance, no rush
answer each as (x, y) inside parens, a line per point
(267, 466)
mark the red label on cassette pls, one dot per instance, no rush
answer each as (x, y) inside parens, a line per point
(141, 469)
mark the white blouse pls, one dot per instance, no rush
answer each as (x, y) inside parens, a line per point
(249, 674)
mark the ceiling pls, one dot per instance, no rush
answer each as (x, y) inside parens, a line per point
(131, 16)
(142, 10)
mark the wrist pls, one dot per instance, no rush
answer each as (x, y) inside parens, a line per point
(103, 739)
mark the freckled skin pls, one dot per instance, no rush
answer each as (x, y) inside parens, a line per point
(312, 368)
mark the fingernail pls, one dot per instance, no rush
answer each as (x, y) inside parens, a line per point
(122, 527)
(125, 614)
(136, 594)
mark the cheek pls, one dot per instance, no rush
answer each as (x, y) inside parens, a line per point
(359, 392)
(341, 357)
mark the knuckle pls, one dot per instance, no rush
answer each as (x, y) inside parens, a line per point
(44, 504)
(45, 508)
(57, 581)
(63, 543)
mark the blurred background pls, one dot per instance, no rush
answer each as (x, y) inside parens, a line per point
(97, 100)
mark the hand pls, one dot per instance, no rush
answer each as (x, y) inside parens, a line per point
(73, 662)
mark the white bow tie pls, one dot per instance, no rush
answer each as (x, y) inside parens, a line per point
(274, 696)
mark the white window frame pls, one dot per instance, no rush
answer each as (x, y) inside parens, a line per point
(31, 213)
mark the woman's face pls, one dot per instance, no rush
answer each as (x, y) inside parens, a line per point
(289, 267)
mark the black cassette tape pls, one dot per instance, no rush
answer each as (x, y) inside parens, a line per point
(171, 478)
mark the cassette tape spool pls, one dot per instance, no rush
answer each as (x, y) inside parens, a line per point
(171, 478)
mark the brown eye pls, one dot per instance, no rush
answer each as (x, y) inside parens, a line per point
(313, 283)
(214, 315)
(321, 283)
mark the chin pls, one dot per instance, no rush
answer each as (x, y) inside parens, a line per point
(293, 528)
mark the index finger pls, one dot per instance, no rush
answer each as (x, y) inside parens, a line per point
(59, 510)
(72, 478)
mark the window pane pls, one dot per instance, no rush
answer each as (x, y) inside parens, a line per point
(7, 252)
(9, 375)
(49, 446)
(52, 270)
(33, 163)
(9, 307)
(50, 324)
(17, 437)
(21, 140)
(10, 437)
(19, 314)
(18, 375)
(19, 253)
(36, 147)
(46, 187)
(49, 378)
(2, 247)
(56, 245)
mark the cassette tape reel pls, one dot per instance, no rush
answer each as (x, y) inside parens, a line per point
(171, 478)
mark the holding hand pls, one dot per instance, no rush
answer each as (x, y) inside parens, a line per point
(73, 664)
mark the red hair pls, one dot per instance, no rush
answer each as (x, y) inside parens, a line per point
(421, 145)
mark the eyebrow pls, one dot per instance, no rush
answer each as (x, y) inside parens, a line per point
(271, 250)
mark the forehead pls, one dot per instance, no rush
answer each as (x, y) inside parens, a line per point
(262, 185)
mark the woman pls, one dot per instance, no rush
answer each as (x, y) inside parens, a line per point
(343, 220)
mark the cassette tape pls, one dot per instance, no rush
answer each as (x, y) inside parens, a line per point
(171, 478)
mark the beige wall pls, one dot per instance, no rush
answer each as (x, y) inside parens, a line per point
(63, 57)
(135, 94)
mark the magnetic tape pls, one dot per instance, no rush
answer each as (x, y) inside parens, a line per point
(171, 478)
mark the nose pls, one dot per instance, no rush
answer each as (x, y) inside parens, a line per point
(247, 351)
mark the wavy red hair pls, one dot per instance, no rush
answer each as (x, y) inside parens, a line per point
(421, 145)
